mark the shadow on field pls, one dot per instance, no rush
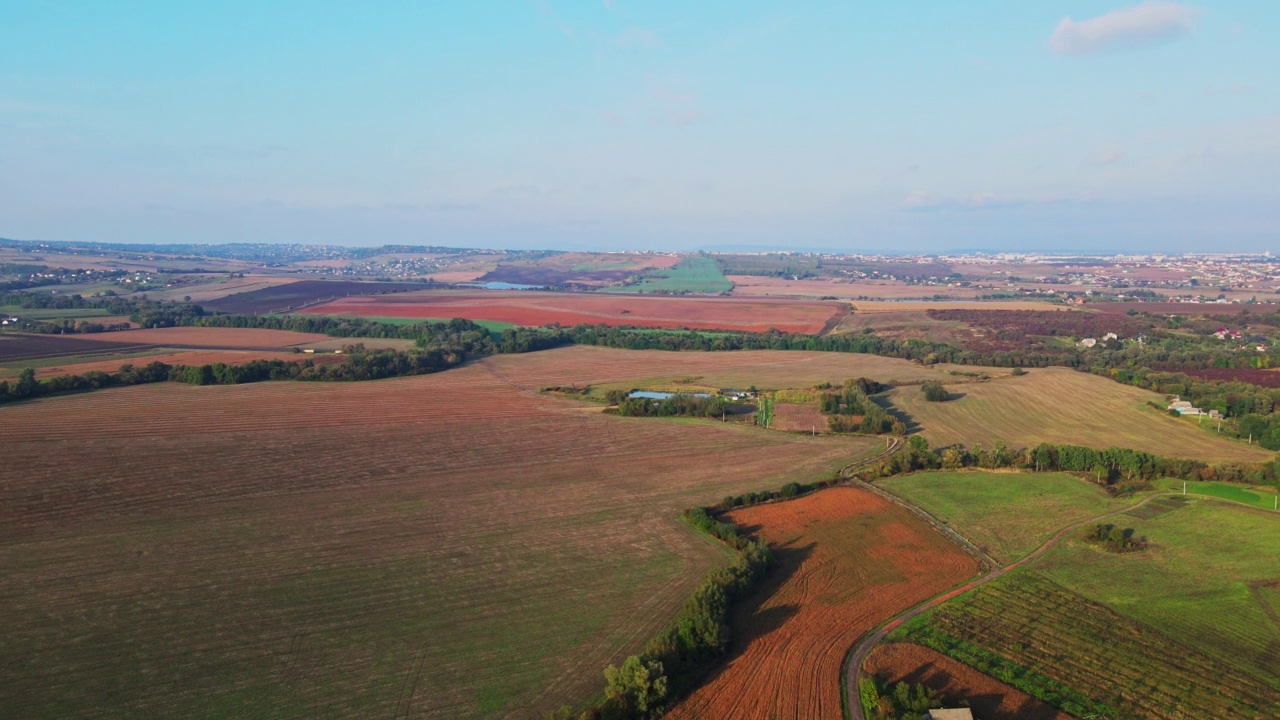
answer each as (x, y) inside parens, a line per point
(986, 705)
(897, 413)
(751, 620)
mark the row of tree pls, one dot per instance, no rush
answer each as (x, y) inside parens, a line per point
(1120, 469)
(679, 404)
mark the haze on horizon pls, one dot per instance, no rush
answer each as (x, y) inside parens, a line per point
(601, 125)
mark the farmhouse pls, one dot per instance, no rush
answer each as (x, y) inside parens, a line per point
(1183, 407)
(1088, 342)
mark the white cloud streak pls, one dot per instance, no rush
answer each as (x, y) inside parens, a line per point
(1123, 29)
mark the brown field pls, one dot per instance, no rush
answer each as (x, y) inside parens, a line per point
(847, 560)
(798, 417)
(989, 698)
(542, 308)
(218, 289)
(15, 347)
(202, 337)
(869, 307)
(447, 546)
(765, 369)
(757, 286)
(1058, 405)
(191, 357)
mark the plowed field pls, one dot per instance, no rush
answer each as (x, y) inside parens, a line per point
(989, 698)
(444, 546)
(848, 560)
(798, 417)
(202, 337)
(542, 308)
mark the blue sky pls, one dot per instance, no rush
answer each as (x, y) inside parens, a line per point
(859, 126)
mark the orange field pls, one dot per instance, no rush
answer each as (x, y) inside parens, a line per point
(543, 308)
(448, 545)
(200, 337)
(989, 698)
(847, 560)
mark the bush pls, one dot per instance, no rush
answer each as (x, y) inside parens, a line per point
(935, 392)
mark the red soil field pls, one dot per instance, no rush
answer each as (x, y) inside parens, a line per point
(847, 561)
(989, 698)
(543, 308)
(798, 417)
(200, 337)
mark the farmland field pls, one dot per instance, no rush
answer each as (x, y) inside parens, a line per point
(280, 298)
(542, 308)
(1258, 497)
(1006, 514)
(847, 560)
(210, 337)
(1063, 406)
(446, 545)
(658, 369)
(989, 698)
(798, 417)
(696, 274)
(1098, 661)
(78, 365)
(1153, 633)
(16, 348)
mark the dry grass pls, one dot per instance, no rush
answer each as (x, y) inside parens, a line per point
(1058, 405)
(445, 546)
(220, 338)
(765, 369)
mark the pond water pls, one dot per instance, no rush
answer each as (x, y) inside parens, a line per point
(648, 394)
(501, 286)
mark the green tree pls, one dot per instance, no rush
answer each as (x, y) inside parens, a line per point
(639, 686)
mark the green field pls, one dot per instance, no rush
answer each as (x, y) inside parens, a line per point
(1007, 514)
(1186, 628)
(697, 274)
(1261, 498)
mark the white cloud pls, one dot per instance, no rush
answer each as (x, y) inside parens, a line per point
(1126, 28)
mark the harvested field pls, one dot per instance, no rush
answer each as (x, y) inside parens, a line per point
(191, 357)
(20, 347)
(798, 417)
(203, 293)
(1058, 405)
(847, 560)
(282, 298)
(447, 546)
(211, 337)
(543, 308)
(766, 369)
(758, 286)
(872, 306)
(989, 698)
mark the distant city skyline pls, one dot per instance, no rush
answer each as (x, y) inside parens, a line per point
(866, 127)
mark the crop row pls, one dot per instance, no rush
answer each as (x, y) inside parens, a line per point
(1037, 631)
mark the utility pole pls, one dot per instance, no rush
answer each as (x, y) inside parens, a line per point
(1184, 487)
